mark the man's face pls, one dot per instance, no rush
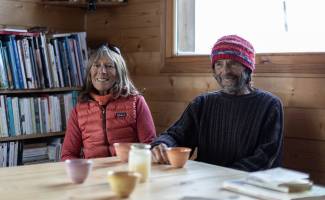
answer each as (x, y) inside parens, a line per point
(230, 75)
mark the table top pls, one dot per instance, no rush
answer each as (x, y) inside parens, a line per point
(197, 180)
(49, 181)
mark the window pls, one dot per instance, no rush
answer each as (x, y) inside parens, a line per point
(288, 35)
(271, 25)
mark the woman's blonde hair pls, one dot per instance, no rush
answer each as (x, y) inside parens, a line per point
(123, 86)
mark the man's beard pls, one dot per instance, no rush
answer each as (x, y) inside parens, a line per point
(237, 87)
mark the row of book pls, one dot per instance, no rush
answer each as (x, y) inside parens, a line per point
(31, 60)
(30, 115)
(9, 154)
(18, 153)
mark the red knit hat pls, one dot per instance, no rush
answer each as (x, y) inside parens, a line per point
(235, 48)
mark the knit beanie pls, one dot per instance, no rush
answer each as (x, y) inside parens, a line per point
(235, 48)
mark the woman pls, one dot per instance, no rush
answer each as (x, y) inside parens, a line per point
(109, 110)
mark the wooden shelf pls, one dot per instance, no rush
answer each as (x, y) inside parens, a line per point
(31, 136)
(83, 3)
(35, 91)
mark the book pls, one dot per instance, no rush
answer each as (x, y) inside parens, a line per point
(280, 179)
(242, 187)
(22, 63)
(3, 71)
(10, 117)
(275, 184)
(12, 61)
(3, 117)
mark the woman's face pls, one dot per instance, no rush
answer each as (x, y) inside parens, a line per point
(103, 75)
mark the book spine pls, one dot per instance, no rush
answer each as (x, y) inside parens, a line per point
(15, 108)
(4, 121)
(12, 63)
(28, 64)
(69, 62)
(65, 65)
(58, 61)
(3, 70)
(18, 64)
(22, 64)
(10, 117)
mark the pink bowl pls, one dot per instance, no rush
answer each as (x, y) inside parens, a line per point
(122, 150)
(78, 169)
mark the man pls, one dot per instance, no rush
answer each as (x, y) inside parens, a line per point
(239, 126)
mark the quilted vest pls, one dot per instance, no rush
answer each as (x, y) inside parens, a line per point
(102, 126)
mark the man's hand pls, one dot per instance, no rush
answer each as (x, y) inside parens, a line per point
(159, 154)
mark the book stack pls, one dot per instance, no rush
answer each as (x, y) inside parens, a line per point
(275, 184)
(35, 153)
(42, 152)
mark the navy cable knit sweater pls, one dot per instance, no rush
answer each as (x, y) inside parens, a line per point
(242, 132)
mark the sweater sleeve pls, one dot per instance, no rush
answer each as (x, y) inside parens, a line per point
(184, 132)
(145, 126)
(72, 141)
(269, 147)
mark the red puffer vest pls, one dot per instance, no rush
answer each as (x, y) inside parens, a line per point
(102, 126)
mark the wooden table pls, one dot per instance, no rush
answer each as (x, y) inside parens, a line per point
(196, 180)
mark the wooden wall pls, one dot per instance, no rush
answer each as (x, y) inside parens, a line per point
(30, 13)
(137, 28)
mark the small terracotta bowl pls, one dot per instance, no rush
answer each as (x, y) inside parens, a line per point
(122, 150)
(178, 156)
(123, 182)
(78, 169)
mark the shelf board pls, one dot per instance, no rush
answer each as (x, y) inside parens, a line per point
(83, 4)
(31, 136)
(45, 90)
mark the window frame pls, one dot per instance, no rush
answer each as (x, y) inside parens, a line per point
(310, 63)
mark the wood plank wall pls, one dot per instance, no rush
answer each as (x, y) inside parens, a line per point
(30, 13)
(137, 29)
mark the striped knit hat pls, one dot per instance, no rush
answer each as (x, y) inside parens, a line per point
(235, 48)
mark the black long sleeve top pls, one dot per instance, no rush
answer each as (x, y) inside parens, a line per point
(242, 132)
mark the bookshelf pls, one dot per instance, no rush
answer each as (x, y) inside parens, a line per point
(32, 136)
(36, 91)
(40, 77)
(85, 3)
